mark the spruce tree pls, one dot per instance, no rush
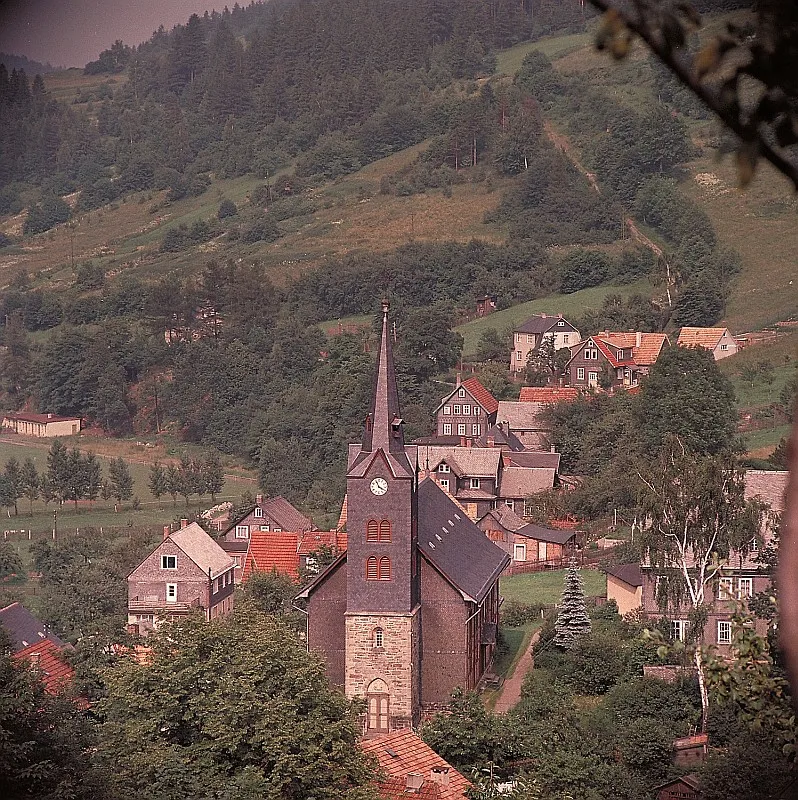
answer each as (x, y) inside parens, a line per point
(572, 621)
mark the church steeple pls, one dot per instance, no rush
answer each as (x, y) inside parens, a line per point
(384, 422)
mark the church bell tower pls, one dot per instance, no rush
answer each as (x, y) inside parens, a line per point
(383, 592)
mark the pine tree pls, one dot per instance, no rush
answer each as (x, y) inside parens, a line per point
(572, 621)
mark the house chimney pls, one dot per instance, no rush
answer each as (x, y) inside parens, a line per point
(553, 449)
(166, 531)
(439, 775)
(491, 441)
(259, 499)
(414, 781)
(184, 523)
(49, 416)
(459, 378)
(463, 441)
(638, 339)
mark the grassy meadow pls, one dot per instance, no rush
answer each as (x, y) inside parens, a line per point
(546, 587)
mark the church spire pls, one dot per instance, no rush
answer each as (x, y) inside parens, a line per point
(384, 423)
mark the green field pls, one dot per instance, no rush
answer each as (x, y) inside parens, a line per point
(101, 513)
(569, 305)
(546, 587)
(508, 62)
(760, 443)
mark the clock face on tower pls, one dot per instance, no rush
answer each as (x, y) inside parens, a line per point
(379, 486)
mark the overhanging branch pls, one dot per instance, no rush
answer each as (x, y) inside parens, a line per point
(677, 63)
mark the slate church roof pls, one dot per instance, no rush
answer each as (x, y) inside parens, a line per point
(455, 546)
(24, 629)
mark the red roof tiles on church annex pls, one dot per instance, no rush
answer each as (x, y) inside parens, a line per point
(481, 395)
(403, 752)
(281, 551)
(45, 656)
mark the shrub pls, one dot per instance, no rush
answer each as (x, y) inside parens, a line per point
(582, 269)
(515, 613)
(50, 212)
(227, 208)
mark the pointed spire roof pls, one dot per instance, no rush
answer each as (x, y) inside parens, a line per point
(383, 428)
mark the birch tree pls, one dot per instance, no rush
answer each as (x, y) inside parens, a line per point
(696, 521)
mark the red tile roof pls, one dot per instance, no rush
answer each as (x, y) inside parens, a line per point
(45, 656)
(644, 354)
(402, 752)
(481, 395)
(547, 394)
(396, 789)
(281, 551)
(701, 337)
(272, 551)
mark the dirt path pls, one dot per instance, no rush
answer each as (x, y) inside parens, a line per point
(562, 143)
(511, 689)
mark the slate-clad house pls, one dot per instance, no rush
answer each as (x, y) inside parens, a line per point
(188, 571)
(525, 541)
(468, 410)
(621, 357)
(531, 333)
(410, 610)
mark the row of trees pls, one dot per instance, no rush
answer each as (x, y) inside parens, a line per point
(71, 475)
(187, 478)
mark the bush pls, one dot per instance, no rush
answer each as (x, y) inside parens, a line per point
(227, 208)
(51, 211)
(514, 613)
(595, 664)
(261, 230)
(582, 269)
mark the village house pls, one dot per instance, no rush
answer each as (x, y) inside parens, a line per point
(410, 610)
(486, 305)
(614, 360)
(625, 586)
(32, 641)
(271, 514)
(186, 572)
(26, 423)
(524, 541)
(412, 769)
(525, 474)
(740, 579)
(468, 410)
(527, 421)
(719, 341)
(687, 787)
(530, 334)
(545, 395)
(290, 553)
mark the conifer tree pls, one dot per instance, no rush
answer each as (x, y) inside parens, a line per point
(572, 621)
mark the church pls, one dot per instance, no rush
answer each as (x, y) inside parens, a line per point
(410, 611)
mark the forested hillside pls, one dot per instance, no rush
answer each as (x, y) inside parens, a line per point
(175, 221)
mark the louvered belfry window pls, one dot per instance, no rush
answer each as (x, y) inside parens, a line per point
(385, 531)
(372, 572)
(372, 531)
(385, 568)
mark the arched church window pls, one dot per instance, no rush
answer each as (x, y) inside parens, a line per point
(377, 706)
(372, 531)
(385, 568)
(385, 530)
(372, 572)
(379, 637)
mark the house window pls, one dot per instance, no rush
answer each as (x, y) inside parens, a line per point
(724, 347)
(724, 632)
(460, 393)
(457, 410)
(565, 338)
(519, 553)
(372, 571)
(171, 592)
(168, 562)
(372, 531)
(745, 587)
(444, 484)
(215, 585)
(447, 428)
(264, 528)
(725, 588)
(258, 511)
(509, 503)
(312, 565)
(379, 637)
(475, 429)
(385, 531)
(475, 483)
(580, 373)
(237, 562)
(592, 378)
(443, 467)
(591, 354)
(242, 531)
(561, 322)
(519, 356)
(754, 545)
(517, 337)
(278, 530)
(679, 630)
(447, 410)
(385, 568)
(466, 410)
(530, 338)
(461, 429)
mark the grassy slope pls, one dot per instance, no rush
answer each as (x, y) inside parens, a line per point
(546, 587)
(569, 305)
